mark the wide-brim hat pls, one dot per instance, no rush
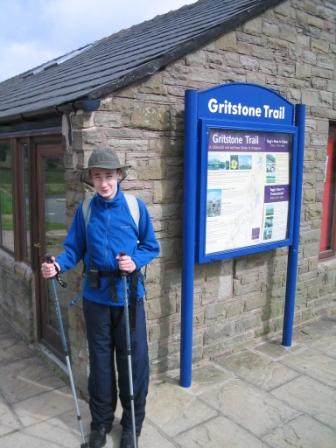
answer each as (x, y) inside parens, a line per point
(104, 158)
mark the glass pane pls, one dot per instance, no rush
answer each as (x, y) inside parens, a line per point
(26, 198)
(55, 224)
(6, 197)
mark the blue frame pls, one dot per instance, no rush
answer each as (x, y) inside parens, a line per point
(205, 125)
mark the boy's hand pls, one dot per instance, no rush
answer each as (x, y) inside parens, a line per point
(125, 263)
(48, 269)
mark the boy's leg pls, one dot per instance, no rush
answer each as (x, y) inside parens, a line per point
(140, 368)
(102, 382)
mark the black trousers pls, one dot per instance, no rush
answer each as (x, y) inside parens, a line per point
(106, 335)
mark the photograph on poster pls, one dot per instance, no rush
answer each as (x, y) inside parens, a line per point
(247, 188)
(214, 201)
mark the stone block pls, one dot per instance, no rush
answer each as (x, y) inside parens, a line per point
(249, 63)
(215, 310)
(288, 33)
(227, 42)
(320, 45)
(161, 307)
(166, 191)
(150, 169)
(254, 26)
(196, 58)
(154, 116)
(108, 119)
(311, 97)
(234, 308)
(220, 330)
(303, 70)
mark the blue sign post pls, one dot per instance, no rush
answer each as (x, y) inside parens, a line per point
(242, 188)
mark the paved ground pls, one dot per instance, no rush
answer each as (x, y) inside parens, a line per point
(265, 397)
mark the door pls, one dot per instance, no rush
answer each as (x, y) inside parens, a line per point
(49, 232)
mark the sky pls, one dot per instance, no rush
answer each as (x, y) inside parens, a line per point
(35, 31)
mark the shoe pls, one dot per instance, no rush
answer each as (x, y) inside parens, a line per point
(98, 437)
(126, 440)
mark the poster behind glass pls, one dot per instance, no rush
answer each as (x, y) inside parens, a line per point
(248, 185)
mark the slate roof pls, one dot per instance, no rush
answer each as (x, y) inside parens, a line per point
(124, 57)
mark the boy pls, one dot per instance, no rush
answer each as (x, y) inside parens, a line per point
(110, 241)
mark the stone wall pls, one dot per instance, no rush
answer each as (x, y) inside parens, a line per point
(17, 298)
(290, 49)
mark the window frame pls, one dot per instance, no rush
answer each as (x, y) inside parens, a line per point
(18, 186)
(331, 229)
(2, 246)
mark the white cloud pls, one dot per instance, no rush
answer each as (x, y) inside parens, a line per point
(49, 28)
(18, 57)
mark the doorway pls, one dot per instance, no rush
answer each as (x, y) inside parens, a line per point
(49, 231)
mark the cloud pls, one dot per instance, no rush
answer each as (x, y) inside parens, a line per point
(18, 57)
(84, 21)
(35, 31)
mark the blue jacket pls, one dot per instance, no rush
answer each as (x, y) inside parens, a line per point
(111, 230)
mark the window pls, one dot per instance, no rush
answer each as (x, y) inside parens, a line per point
(6, 197)
(24, 198)
(328, 223)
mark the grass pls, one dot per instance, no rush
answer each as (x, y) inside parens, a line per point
(7, 222)
(6, 201)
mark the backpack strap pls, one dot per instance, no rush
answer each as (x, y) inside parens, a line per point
(86, 209)
(133, 206)
(132, 203)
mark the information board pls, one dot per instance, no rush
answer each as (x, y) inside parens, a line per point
(243, 170)
(248, 186)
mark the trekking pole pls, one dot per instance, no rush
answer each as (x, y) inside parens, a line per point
(129, 353)
(55, 299)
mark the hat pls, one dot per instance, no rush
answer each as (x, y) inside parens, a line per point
(104, 158)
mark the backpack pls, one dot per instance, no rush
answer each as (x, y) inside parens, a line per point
(132, 203)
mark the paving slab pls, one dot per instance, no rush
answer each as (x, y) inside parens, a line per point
(218, 432)
(44, 406)
(302, 432)
(326, 346)
(311, 397)
(24, 440)
(4, 327)
(246, 399)
(13, 349)
(275, 350)
(257, 369)
(26, 378)
(151, 436)
(53, 433)
(253, 409)
(208, 376)
(315, 364)
(8, 420)
(173, 409)
(323, 328)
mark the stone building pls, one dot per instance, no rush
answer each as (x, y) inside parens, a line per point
(127, 92)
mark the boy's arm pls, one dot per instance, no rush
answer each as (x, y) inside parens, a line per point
(148, 247)
(74, 243)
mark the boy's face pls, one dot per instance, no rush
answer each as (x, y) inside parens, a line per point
(105, 181)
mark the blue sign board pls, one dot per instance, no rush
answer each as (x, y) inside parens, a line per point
(245, 140)
(242, 186)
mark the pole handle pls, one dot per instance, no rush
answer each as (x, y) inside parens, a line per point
(123, 273)
(48, 259)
